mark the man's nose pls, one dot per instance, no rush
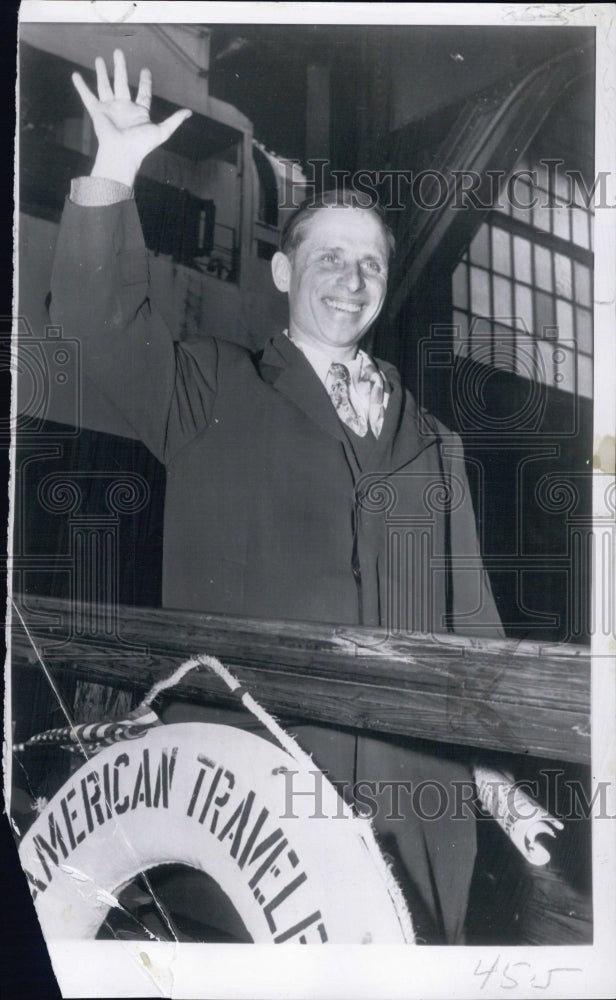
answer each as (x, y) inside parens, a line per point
(352, 277)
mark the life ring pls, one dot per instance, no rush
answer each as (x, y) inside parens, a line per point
(289, 854)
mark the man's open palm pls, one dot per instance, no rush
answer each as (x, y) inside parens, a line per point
(123, 128)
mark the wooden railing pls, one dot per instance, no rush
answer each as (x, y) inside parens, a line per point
(521, 697)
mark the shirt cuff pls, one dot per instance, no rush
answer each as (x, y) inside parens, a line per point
(98, 191)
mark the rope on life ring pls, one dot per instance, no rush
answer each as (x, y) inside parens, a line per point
(215, 798)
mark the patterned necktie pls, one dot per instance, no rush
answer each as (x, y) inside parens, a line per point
(374, 384)
(337, 384)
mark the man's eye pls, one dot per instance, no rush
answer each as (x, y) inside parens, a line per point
(373, 265)
(330, 258)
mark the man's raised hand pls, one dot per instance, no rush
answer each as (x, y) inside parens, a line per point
(123, 128)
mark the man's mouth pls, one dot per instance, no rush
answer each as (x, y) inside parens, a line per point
(343, 305)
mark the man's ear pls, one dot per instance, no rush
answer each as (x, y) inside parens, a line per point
(281, 271)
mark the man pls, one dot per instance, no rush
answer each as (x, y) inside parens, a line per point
(284, 470)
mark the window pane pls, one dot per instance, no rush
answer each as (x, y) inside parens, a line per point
(584, 376)
(580, 227)
(524, 306)
(521, 252)
(479, 351)
(460, 287)
(502, 298)
(582, 284)
(480, 339)
(544, 313)
(562, 274)
(553, 180)
(541, 214)
(501, 253)
(522, 214)
(580, 187)
(543, 268)
(560, 223)
(562, 183)
(460, 336)
(480, 253)
(521, 197)
(525, 356)
(583, 322)
(564, 319)
(542, 175)
(505, 204)
(504, 347)
(480, 292)
(545, 363)
(481, 328)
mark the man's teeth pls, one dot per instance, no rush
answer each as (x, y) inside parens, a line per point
(342, 306)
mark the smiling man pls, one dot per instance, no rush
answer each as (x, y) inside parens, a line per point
(286, 470)
(333, 265)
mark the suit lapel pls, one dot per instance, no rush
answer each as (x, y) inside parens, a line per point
(405, 434)
(286, 369)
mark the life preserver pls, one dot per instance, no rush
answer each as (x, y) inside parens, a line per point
(274, 834)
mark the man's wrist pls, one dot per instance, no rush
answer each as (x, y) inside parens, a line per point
(112, 167)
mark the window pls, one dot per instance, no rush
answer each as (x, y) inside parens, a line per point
(522, 292)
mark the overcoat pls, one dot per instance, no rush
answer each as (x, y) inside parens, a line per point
(273, 509)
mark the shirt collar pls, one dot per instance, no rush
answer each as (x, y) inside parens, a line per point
(321, 360)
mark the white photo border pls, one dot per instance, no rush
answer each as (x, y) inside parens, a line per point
(106, 969)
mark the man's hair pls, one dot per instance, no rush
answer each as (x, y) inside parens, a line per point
(292, 231)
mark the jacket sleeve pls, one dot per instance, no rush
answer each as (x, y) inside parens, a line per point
(473, 605)
(100, 298)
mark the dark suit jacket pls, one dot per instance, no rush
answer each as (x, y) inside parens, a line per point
(272, 511)
(269, 509)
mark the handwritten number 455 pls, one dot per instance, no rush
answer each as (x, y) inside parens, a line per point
(507, 978)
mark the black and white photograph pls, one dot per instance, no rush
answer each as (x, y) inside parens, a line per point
(312, 501)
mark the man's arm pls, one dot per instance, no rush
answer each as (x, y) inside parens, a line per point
(100, 278)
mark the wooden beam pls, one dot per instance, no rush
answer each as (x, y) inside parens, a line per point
(521, 697)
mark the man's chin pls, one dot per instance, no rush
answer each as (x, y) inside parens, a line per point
(353, 325)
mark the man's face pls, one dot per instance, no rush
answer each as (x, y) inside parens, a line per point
(336, 278)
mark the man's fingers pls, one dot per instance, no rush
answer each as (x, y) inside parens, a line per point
(120, 78)
(144, 94)
(105, 93)
(168, 127)
(84, 92)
